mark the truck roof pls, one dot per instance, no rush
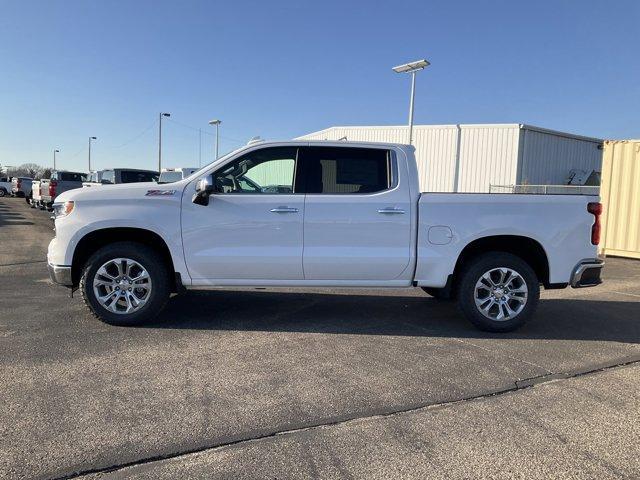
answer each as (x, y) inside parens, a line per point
(332, 143)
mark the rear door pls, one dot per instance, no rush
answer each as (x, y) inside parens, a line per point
(357, 224)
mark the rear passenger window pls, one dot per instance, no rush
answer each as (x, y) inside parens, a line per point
(346, 170)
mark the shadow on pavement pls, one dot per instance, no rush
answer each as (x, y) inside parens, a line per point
(556, 319)
(9, 217)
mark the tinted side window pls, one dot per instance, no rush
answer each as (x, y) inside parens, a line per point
(346, 170)
(71, 176)
(127, 176)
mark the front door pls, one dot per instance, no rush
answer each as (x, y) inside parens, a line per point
(252, 227)
(357, 224)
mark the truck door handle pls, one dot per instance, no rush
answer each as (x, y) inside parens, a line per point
(390, 210)
(284, 210)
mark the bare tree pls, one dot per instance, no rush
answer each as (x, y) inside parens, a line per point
(32, 170)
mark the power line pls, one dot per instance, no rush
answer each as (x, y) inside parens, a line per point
(204, 131)
(77, 153)
(136, 137)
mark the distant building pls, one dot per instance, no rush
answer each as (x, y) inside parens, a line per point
(480, 158)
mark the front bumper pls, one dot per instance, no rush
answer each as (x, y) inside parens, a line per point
(587, 273)
(60, 274)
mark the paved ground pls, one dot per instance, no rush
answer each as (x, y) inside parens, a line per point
(355, 378)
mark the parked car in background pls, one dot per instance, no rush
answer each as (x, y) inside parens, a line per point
(60, 181)
(21, 187)
(93, 179)
(5, 186)
(113, 176)
(321, 214)
(170, 175)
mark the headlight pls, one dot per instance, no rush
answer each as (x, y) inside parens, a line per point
(62, 209)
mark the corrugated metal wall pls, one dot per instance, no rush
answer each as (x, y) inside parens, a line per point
(488, 155)
(436, 150)
(548, 157)
(620, 195)
(470, 158)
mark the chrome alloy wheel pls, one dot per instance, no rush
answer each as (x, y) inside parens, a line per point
(122, 285)
(501, 294)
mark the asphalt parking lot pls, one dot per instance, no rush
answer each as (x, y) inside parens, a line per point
(333, 384)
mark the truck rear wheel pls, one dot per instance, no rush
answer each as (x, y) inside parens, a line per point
(498, 292)
(125, 283)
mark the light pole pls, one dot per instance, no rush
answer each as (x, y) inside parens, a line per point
(217, 124)
(55, 150)
(412, 68)
(160, 141)
(90, 138)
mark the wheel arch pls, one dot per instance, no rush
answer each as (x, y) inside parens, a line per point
(526, 248)
(96, 239)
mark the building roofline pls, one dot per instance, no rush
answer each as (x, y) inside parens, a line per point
(461, 126)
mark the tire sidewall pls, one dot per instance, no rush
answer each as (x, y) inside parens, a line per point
(476, 269)
(153, 264)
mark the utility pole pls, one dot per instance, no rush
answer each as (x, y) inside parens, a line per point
(217, 124)
(90, 138)
(54, 157)
(160, 141)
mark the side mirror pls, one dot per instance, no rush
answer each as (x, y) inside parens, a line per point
(204, 188)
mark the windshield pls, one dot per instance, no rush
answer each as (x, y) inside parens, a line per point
(169, 177)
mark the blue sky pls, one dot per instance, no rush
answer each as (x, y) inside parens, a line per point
(71, 69)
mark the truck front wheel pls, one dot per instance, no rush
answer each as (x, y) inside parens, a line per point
(498, 292)
(125, 283)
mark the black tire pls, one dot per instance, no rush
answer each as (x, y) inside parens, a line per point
(147, 257)
(472, 273)
(3, 192)
(442, 294)
(28, 200)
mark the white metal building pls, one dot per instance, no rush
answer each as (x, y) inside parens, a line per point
(470, 158)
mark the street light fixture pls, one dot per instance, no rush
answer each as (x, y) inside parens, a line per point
(160, 141)
(90, 138)
(217, 124)
(55, 150)
(412, 68)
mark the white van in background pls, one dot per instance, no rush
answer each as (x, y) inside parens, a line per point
(170, 175)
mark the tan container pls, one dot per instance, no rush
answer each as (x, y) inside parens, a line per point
(620, 193)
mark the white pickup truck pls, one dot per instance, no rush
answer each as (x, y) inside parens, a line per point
(320, 214)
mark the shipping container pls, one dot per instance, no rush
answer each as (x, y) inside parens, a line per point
(472, 158)
(620, 195)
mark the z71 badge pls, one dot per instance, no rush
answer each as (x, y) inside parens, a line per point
(155, 193)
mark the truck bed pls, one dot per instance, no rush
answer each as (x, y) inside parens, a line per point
(447, 222)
